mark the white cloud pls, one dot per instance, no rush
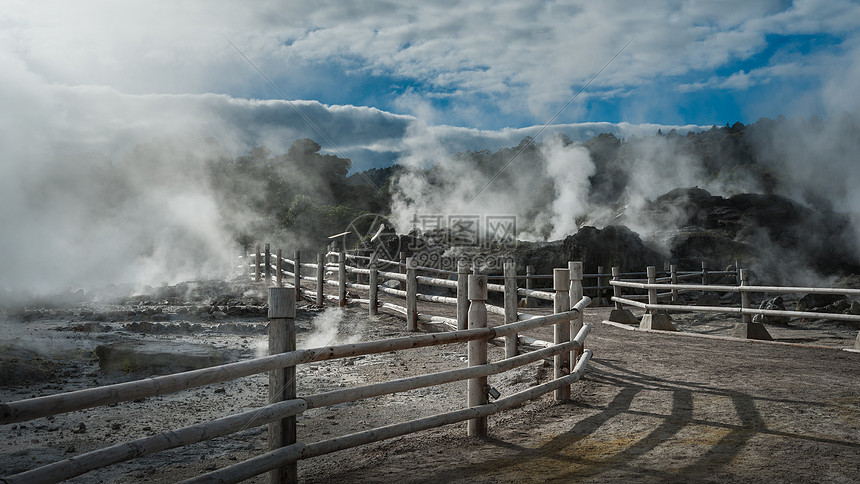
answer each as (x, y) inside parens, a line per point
(520, 56)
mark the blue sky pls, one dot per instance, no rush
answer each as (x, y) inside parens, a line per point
(679, 101)
(437, 77)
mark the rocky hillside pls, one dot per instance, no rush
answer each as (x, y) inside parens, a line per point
(779, 239)
(767, 231)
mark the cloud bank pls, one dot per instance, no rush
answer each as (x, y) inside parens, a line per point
(479, 63)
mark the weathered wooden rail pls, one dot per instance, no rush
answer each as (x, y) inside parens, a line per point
(746, 328)
(470, 326)
(273, 267)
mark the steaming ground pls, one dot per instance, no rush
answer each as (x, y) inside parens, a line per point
(651, 407)
(48, 351)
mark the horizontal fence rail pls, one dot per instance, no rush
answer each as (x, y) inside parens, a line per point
(762, 289)
(748, 328)
(740, 311)
(355, 275)
(209, 430)
(469, 327)
(295, 452)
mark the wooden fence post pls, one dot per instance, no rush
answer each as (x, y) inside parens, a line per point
(373, 280)
(746, 298)
(297, 275)
(321, 279)
(673, 273)
(402, 270)
(411, 296)
(738, 272)
(341, 280)
(282, 382)
(530, 271)
(616, 291)
(619, 314)
(257, 264)
(511, 340)
(651, 271)
(597, 292)
(561, 333)
(704, 273)
(462, 294)
(654, 318)
(268, 265)
(747, 328)
(575, 293)
(280, 269)
(477, 351)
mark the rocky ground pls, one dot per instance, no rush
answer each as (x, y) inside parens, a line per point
(652, 407)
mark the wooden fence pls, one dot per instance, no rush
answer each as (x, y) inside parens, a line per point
(263, 265)
(470, 326)
(746, 328)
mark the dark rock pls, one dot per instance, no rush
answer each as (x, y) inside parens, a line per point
(690, 246)
(90, 328)
(20, 365)
(231, 328)
(776, 304)
(764, 227)
(838, 307)
(99, 317)
(163, 356)
(817, 302)
(142, 327)
(682, 207)
(707, 300)
(613, 246)
(236, 310)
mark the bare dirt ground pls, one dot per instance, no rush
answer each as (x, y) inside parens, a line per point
(651, 407)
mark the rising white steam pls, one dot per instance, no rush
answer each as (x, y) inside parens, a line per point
(569, 167)
(330, 328)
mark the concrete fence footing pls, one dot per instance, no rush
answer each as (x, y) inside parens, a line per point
(658, 320)
(751, 331)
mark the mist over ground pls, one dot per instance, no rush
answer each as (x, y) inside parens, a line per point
(555, 186)
(99, 188)
(182, 207)
(139, 145)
